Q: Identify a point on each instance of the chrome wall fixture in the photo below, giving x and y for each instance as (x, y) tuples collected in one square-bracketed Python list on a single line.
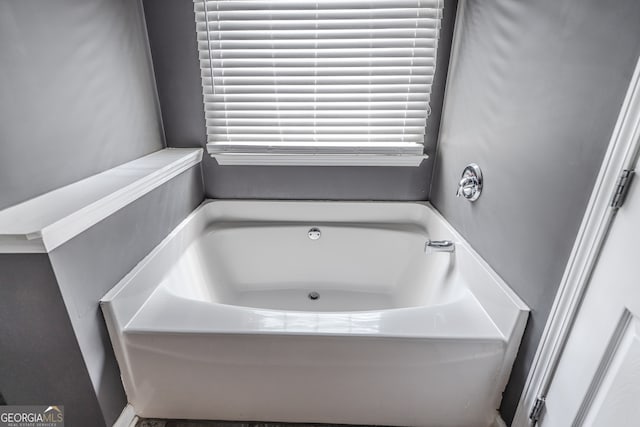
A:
[(470, 185), (433, 246)]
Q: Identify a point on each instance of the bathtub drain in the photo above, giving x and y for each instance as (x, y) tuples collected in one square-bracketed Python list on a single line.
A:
[(314, 233), (314, 295)]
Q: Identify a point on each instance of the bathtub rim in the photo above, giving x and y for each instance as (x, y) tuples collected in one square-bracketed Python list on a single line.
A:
[(502, 305), (458, 238)]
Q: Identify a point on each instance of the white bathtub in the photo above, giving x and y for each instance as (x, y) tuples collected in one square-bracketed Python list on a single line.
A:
[(217, 323)]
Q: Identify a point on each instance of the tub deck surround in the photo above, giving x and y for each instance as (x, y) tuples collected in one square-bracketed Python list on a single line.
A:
[(45, 222), (216, 322)]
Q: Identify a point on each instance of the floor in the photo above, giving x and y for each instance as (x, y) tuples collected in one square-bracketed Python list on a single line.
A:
[(187, 423)]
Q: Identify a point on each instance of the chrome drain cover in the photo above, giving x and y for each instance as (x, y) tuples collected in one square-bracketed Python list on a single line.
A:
[(314, 233)]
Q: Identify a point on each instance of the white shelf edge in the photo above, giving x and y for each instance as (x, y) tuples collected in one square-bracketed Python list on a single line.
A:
[(55, 234), (21, 244), (309, 159)]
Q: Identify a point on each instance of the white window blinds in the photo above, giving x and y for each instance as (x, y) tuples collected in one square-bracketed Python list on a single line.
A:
[(318, 77)]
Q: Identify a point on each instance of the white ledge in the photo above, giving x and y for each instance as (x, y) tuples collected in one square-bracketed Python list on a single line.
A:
[(308, 159), (45, 222)]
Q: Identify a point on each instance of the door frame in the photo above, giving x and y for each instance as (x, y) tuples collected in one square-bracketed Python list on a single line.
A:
[(621, 154)]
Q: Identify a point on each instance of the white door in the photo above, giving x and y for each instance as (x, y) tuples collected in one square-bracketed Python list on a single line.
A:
[(597, 382)]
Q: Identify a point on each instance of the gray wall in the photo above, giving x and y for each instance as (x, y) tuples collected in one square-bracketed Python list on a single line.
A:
[(533, 94), (77, 97), (54, 345), (90, 264), (40, 361), (171, 28), (77, 94)]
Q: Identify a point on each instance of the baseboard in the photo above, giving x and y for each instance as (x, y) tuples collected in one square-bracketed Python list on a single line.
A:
[(127, 418)]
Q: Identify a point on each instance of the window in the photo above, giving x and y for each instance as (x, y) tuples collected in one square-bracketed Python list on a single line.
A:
[(317, 81)]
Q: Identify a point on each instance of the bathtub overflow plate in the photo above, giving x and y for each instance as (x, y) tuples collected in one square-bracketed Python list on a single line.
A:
[(314, 295), (314, 233)]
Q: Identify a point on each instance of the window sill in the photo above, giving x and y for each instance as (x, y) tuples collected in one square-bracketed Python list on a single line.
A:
[(308, 159)]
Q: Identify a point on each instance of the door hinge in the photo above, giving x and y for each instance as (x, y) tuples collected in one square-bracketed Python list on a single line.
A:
[(622, 188), (536, 411)]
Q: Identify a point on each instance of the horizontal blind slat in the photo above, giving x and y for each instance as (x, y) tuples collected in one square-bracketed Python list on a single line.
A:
[(320, 97), (360, 71), (316, 54), (316, 121), (318, 62), (325, 129), (335, 89), (282, 14), (338, 33), (321, 137), (211, 23), (306, 115), (316, 80), (318, 105), (222, 45)]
